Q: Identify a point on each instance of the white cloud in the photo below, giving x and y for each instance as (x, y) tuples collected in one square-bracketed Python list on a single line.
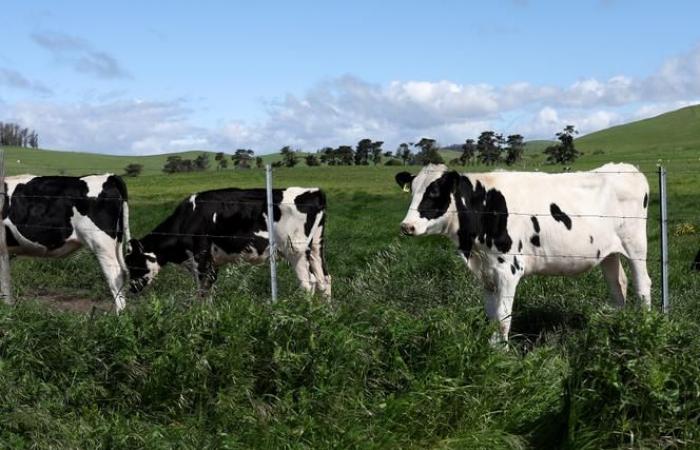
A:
[(346, 109)]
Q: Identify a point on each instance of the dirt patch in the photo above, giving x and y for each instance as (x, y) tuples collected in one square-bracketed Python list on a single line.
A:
[(76, 302)]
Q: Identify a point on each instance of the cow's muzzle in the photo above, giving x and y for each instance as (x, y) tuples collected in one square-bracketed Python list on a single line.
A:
[(408, 229)]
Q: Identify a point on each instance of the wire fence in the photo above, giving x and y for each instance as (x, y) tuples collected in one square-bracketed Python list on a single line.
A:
[(300, 241)]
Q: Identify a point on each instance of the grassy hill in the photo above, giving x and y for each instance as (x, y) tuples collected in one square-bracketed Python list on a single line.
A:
[(674, 134), (23, 160)]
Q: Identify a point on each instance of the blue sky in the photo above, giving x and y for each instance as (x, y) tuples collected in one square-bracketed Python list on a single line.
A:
[(149, 77)]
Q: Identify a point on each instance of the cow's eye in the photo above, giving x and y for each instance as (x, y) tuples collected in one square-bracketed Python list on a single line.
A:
[(434, 193)]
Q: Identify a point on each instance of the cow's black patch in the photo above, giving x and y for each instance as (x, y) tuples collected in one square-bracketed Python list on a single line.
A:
[(560, 216), (696, 263), (482, 214), (41, 209), (501, 260), (310, 203), (535, 240), (535, 224), (645, 202), (512, 269), (597, 255), (515, 262), (520, 246), (590, 238)]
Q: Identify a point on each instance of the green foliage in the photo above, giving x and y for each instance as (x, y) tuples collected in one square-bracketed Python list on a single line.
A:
[(565, 152), (289, 157), (133, 170), (428, 153), (490, 146)]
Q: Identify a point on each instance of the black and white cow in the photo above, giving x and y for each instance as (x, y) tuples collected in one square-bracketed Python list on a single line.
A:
[(52, 216), (696, 263), (213, 228), (511, 224)]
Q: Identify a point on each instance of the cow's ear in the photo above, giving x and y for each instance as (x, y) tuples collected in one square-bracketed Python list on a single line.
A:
[(404, 179), (134, 245)]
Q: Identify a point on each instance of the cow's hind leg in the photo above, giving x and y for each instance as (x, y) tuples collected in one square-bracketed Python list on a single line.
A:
[(616, 279), (317, 262), (636, 253), (641, 280), (300, 263)]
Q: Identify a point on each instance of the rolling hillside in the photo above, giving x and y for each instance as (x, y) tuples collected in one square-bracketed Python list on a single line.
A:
[(670, 135)]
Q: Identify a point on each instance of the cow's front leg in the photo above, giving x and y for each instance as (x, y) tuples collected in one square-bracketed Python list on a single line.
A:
[(300, 262), (206, 273), (499, 296)]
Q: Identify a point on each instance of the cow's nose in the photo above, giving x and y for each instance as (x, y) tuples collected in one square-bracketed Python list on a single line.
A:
[(408, 229)]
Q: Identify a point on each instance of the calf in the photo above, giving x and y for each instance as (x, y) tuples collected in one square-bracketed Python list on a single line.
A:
[(53, 216), (213, 228), (507, 225)]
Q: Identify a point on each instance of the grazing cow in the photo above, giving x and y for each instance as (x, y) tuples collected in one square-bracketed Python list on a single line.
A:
[(213, 228), (52, 216), (511, 224), (696, 263)]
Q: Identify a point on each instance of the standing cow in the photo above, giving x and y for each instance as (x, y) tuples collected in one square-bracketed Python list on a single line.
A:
[(52, 216), (213, 228), (511, 224)]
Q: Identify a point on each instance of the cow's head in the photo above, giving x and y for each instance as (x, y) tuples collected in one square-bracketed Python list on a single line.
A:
[(143, 266), (432, 205)]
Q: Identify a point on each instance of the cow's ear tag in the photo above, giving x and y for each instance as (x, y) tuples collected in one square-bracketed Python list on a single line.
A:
[(407, 187)]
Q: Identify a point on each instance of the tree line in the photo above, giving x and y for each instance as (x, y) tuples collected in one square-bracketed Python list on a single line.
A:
[(17, 136), (490, 148)]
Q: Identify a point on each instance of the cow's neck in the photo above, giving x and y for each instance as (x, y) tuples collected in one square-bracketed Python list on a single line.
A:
[(482, 217), (165, 246)]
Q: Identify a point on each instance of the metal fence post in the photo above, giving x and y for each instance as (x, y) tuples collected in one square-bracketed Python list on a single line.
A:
[(5, 285), (270, 233), (664, 239)]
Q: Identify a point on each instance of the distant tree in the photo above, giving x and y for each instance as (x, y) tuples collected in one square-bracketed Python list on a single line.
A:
[(388, 154), (242, 157), (289, 156), (377, 152), (490, 146), (515, 146), (133, 170), (327, 156), (16, 136), (345, 155), (312, 160), (219, 157), (362, 151), (174, 164), (428, 153), (201, 162), (403, 152), (565, 151), (259, 162), (468, 152)]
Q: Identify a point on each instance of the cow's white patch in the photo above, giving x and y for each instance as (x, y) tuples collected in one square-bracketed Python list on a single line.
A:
[(193, 197), (213, 218), (262, 234), (95, 183)]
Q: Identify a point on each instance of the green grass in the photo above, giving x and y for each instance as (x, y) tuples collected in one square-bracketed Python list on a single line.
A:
[(399, 358)]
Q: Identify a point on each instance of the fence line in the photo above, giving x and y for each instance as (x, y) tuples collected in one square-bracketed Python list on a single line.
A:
[(273, 245)]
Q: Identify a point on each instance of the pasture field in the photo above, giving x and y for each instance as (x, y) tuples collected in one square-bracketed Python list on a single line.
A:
[(399, 359)]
